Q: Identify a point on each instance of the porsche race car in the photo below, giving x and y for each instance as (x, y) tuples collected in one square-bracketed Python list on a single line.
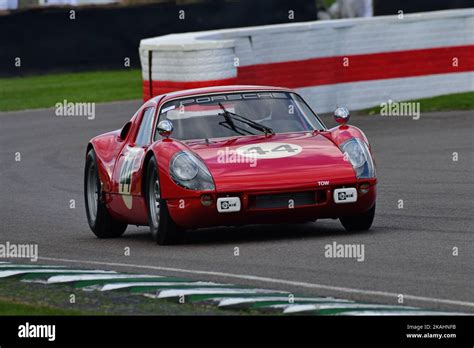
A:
[(227, 156)]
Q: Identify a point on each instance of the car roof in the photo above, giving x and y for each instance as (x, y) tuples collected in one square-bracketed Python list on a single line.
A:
[(216, 89)]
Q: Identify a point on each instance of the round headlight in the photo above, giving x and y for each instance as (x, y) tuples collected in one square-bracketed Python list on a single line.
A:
[(355, 153), (184, 167)]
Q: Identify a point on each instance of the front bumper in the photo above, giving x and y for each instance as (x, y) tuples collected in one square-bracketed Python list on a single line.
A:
[(191, 213)]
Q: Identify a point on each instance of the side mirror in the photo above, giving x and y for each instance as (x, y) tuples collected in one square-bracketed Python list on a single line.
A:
[(165, 128), (125, 129), (341, 115)]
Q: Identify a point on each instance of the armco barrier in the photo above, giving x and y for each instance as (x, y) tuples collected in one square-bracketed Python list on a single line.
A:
[(356, 62)]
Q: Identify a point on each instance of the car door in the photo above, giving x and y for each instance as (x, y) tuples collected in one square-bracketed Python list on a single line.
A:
[(127, 175)]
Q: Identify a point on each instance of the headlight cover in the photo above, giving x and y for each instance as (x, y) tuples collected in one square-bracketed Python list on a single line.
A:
[(357, 152), (190, 172)]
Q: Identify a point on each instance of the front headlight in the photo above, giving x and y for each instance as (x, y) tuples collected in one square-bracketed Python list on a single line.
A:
[(184, 166), (357, 152), (190, 172)]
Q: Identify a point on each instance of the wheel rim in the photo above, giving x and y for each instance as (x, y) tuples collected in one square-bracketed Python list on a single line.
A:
[(154, 199), (92, 192)]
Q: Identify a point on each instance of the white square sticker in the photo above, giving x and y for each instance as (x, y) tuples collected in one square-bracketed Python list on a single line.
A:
[(345, 195), (228, 204)]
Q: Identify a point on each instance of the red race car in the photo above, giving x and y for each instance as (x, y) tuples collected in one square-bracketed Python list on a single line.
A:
[(227, 156)]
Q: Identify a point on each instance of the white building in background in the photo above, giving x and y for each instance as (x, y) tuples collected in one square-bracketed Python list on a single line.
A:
[(75, 2), (8, 4), (14, 4), (351, 9)]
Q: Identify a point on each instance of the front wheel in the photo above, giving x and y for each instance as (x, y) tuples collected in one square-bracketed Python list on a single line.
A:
[(163, 229), (100, 221), (361, 222)]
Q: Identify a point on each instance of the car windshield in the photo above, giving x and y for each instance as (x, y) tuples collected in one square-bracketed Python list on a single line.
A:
[(231, 114)]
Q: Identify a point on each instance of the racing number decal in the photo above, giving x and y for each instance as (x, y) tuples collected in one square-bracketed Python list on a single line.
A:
[(125, 179), (269, 150), (260, 151)]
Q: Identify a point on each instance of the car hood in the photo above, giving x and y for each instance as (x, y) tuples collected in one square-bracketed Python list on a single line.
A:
[(288, 160)]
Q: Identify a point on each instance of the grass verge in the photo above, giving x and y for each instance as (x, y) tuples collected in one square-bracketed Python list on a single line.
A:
[(8, 307), (458, 101), (33, 92), (21, 298)]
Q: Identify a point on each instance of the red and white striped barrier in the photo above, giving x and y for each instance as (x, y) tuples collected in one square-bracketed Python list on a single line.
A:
[(358, 62)]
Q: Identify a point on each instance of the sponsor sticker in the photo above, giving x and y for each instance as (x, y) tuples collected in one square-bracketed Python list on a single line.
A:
[(172, 107), (345, 195), (228, 204)]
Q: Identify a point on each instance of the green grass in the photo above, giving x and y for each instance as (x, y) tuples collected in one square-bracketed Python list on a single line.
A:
[(16, 308), (32, 92), (459, 101), (328, 3), (26, 298)]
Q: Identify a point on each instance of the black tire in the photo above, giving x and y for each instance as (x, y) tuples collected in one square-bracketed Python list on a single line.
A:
[(100, 221), (361, 222), (162, 227)]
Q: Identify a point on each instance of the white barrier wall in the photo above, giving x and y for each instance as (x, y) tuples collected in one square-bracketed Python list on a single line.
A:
[(354, 62)]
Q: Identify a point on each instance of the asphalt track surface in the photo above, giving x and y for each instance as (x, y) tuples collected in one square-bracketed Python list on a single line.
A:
[(408, 251)]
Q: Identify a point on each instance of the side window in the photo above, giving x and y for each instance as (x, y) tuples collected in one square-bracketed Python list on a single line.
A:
[(144, 133)]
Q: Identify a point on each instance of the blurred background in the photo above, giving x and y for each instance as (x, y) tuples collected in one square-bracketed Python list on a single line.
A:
[(86, 35)]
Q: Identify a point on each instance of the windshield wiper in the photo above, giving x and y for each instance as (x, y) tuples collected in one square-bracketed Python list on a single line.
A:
[(228, 123), (230, 117)]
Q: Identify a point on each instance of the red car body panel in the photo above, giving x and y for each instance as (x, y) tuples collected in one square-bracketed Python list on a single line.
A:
[(277, 173), (319, 168)]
